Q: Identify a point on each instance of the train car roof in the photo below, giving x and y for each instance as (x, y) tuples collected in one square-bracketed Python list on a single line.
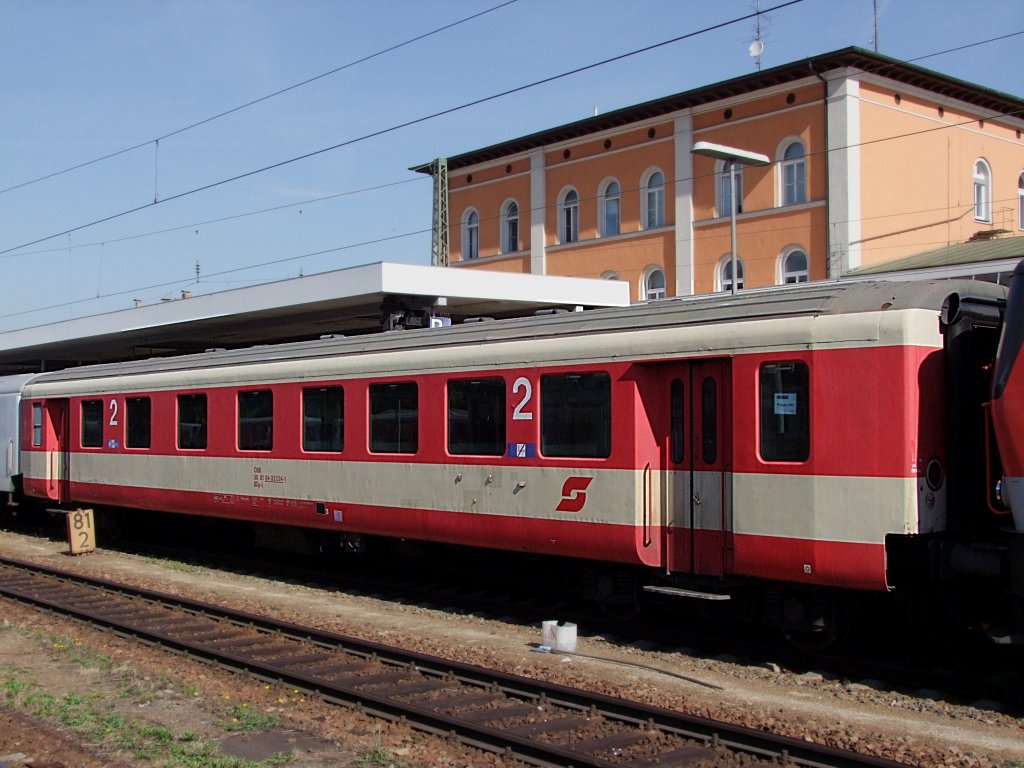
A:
[(12, 384), (809, 300)]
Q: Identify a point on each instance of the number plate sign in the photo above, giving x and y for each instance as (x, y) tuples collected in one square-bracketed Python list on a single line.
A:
[(81, 531)]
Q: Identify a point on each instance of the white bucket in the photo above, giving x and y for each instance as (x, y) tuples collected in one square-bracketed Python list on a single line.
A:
[(547, 632), (565, 637), (558, 637)]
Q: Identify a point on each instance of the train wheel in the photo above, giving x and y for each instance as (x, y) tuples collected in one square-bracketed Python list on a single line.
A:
[(816, 621)]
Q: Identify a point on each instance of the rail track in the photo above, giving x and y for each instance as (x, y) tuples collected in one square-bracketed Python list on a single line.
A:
[(537, 722), (963, 667)]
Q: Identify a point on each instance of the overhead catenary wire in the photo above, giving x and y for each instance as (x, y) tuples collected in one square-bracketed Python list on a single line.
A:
[(156, 141), (208, 275), (634, 189), (751, 98), (390, 238), (402, 125), (218, 220), (590, 198), (356, 245)]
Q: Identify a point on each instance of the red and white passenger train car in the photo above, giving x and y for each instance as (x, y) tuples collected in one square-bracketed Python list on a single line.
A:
[(814, 440)]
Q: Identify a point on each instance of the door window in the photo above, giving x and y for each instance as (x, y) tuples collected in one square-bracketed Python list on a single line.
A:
[(92, 423), (709, 420)]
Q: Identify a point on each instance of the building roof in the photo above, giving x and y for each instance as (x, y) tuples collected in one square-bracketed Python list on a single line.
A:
[(957, 260), (875, 63), (344, 302)]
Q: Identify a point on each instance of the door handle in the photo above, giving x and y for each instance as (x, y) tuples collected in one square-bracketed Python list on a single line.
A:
[(697, 499)]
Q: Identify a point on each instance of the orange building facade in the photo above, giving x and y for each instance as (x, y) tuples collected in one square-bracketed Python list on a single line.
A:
[(871, 160)]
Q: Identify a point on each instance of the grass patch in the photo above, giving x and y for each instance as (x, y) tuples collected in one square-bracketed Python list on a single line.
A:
[(173, 565), (137, 689), (74, 650), (378, 756), (97, 723), (242, 717)]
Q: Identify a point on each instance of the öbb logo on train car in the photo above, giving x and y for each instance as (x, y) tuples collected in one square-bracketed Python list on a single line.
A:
[(574, 494)]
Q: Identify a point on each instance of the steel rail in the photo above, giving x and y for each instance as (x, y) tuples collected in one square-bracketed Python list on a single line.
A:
[(153, 617)]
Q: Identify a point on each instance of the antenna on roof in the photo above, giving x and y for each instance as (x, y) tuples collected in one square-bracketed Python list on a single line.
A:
[(757, 47), (755, 50), (874, 8)]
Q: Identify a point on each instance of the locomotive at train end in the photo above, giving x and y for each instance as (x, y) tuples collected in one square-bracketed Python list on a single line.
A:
[(780, 454), (1008, 401)]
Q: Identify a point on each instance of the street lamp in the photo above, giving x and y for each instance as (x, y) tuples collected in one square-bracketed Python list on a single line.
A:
[(737, 157)]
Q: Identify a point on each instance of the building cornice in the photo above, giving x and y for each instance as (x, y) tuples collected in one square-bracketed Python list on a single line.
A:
[(868, 62)]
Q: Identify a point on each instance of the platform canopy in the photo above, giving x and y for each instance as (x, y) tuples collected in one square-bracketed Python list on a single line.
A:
[(357, 300)]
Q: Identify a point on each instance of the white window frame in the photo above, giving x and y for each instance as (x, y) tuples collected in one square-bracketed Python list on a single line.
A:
[(509, 218), (1020, 201), (652, 199), (654, 292), (605, 200), (795, 165), (470, 234), (722, 187), (982, 191), (800, 275), (568, 211), (722, 283)]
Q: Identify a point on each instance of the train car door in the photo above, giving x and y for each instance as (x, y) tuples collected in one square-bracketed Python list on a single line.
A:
[(58, 449), (696, 460)]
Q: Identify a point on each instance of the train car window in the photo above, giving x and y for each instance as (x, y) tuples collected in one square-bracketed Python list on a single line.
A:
[(677, 441), (192, 421), (92, 423), (785, 412), (394, 418), (137, 430), (576, 415), (37, 423), (256, 420), (709, 420), (323, 419), (476, 417)]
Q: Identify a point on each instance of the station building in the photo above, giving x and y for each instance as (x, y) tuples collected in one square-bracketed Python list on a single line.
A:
[(872, 160)]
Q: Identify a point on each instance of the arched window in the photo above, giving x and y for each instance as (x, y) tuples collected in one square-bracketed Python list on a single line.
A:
[(654, 284), (569, 223), (1020, 201), (471, 234), (793, 267), (725, 273), (610, 209), (654, 201), (793, 169), (725, 188), (982, 192), (510, 227)]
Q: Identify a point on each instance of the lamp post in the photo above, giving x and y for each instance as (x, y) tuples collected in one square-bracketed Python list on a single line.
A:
[(734, 157)]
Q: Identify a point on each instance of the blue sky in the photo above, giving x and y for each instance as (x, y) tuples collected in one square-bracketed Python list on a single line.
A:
[(87, 79)]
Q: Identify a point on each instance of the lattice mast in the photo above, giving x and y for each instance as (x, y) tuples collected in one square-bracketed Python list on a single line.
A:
[(439, 239)]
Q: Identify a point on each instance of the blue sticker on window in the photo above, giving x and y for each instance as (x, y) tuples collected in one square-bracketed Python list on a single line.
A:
[(113, 443), (522, 450)]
